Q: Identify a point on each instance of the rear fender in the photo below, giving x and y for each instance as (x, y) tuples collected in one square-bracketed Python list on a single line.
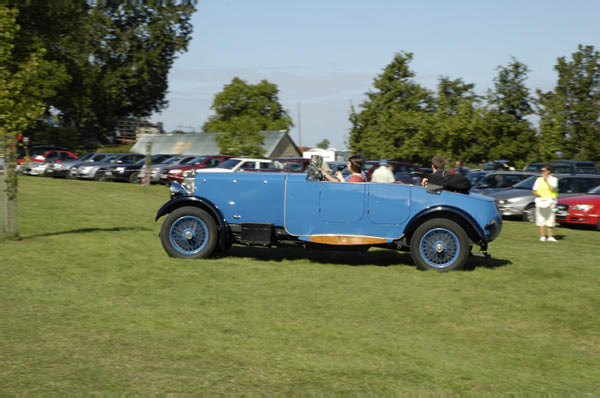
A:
[(204, 204)]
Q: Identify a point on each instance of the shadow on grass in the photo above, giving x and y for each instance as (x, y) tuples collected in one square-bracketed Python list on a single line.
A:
[(377, 257), (380, 258), (85, 231)]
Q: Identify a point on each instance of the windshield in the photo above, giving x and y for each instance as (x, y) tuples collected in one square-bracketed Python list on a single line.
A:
[(229, 164), (595, 191), (86, 156), (526, 183)]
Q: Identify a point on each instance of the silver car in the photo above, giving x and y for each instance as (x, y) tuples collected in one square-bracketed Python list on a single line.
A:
[(519, 201), (95, 170), (496, 181), (68, 169)]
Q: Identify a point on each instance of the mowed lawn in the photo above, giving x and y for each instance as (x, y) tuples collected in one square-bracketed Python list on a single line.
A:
[(90, 303)]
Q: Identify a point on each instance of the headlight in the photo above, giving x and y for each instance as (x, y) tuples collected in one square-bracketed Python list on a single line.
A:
[(190, 185), (120, 169), (502, 202), (59, 166), (175, 171), (584, 207)]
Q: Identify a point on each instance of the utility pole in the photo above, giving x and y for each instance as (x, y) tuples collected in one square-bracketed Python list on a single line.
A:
[(299, 127)]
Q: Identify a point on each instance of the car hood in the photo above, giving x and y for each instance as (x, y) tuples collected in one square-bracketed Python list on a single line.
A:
[(511, 194), (593, 199)]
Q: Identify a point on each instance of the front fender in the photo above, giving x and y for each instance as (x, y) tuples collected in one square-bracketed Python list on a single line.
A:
[(445, 211), (203, 204)]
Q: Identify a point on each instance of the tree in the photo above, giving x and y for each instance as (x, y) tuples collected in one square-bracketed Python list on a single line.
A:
[(25, 82), (508, 133), (570, 114), (323, 144), (459, 122), (396, 120), (242, 111), (117, 55)]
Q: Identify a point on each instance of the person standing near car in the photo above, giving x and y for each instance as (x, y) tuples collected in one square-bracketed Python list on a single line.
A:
[(545, 189), (383, 173)]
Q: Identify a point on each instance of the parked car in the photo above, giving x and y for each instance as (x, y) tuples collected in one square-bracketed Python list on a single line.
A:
[(132, 172), (580, 210), (519, 200), (475, 175), (243, 164), (38, 150), (157, 174), (212, 211), (497, 165), (96, 170), (67, 168), (40, 162), (293, 165), (566, 167), (496, 181), (180, 171)]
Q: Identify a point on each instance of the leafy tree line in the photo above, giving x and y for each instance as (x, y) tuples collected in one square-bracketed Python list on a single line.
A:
[(401, 119), (92, 63)]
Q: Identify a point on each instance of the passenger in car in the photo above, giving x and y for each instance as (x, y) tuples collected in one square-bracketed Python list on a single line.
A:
[(355, 164), (437, 177)]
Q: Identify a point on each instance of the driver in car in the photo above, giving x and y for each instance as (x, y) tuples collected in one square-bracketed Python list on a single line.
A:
[(355, 164)]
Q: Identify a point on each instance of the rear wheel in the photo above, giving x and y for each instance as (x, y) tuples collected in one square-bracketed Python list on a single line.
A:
[(134, 178), (189, 232), (100, 175), (529, 213), (439, 244)]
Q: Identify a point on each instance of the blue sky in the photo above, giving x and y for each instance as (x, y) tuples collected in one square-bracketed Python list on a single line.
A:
[(324, 54)]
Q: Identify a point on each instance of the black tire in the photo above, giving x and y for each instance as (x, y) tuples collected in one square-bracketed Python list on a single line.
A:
[(439, 244), (529, 213), (100, 176), (134, 178), (189, 232)]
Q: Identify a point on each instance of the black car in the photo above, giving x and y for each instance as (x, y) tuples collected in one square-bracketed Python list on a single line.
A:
[(566, 167), (130, 172)]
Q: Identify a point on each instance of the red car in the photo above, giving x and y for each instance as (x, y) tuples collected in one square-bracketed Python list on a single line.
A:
[(54, 156), (178, 172), (580, 210)]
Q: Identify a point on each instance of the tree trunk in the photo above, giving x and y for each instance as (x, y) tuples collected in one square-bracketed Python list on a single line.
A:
[(10, 219)]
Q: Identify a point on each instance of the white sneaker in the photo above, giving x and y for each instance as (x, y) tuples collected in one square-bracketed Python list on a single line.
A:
[(551, 239), (542, 238)]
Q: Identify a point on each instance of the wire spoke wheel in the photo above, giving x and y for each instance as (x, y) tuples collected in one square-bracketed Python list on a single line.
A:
[(439, 244), (188, 235), (439, 247), (189, 232)]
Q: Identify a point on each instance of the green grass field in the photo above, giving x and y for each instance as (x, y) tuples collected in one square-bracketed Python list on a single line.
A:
[(90, 303)]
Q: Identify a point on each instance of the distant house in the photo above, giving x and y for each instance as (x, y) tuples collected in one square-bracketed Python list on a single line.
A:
[(276, 144)]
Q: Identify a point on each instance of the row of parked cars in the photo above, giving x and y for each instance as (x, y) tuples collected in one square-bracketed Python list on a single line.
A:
[(578, 180), (578, 189)]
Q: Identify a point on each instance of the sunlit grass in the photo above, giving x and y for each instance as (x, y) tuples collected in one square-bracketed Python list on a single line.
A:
[(89, 302)]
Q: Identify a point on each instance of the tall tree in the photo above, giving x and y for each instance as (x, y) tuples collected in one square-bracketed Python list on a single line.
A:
[(242, 111), (26, 81), (570, 114), (459, 121), (117, 55), (396, 120), (508, 132)]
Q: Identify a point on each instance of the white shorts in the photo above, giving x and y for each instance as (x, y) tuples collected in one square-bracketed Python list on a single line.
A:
[(544, 217)]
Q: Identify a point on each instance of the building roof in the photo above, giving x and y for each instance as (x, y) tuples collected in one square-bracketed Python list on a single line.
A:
[(275, 144)]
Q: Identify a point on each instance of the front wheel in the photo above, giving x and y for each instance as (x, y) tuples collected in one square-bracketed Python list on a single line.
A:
[(189, 232), (134, 178), (439, 244)]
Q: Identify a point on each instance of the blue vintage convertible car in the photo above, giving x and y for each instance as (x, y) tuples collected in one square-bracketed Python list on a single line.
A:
[(211, 211)]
